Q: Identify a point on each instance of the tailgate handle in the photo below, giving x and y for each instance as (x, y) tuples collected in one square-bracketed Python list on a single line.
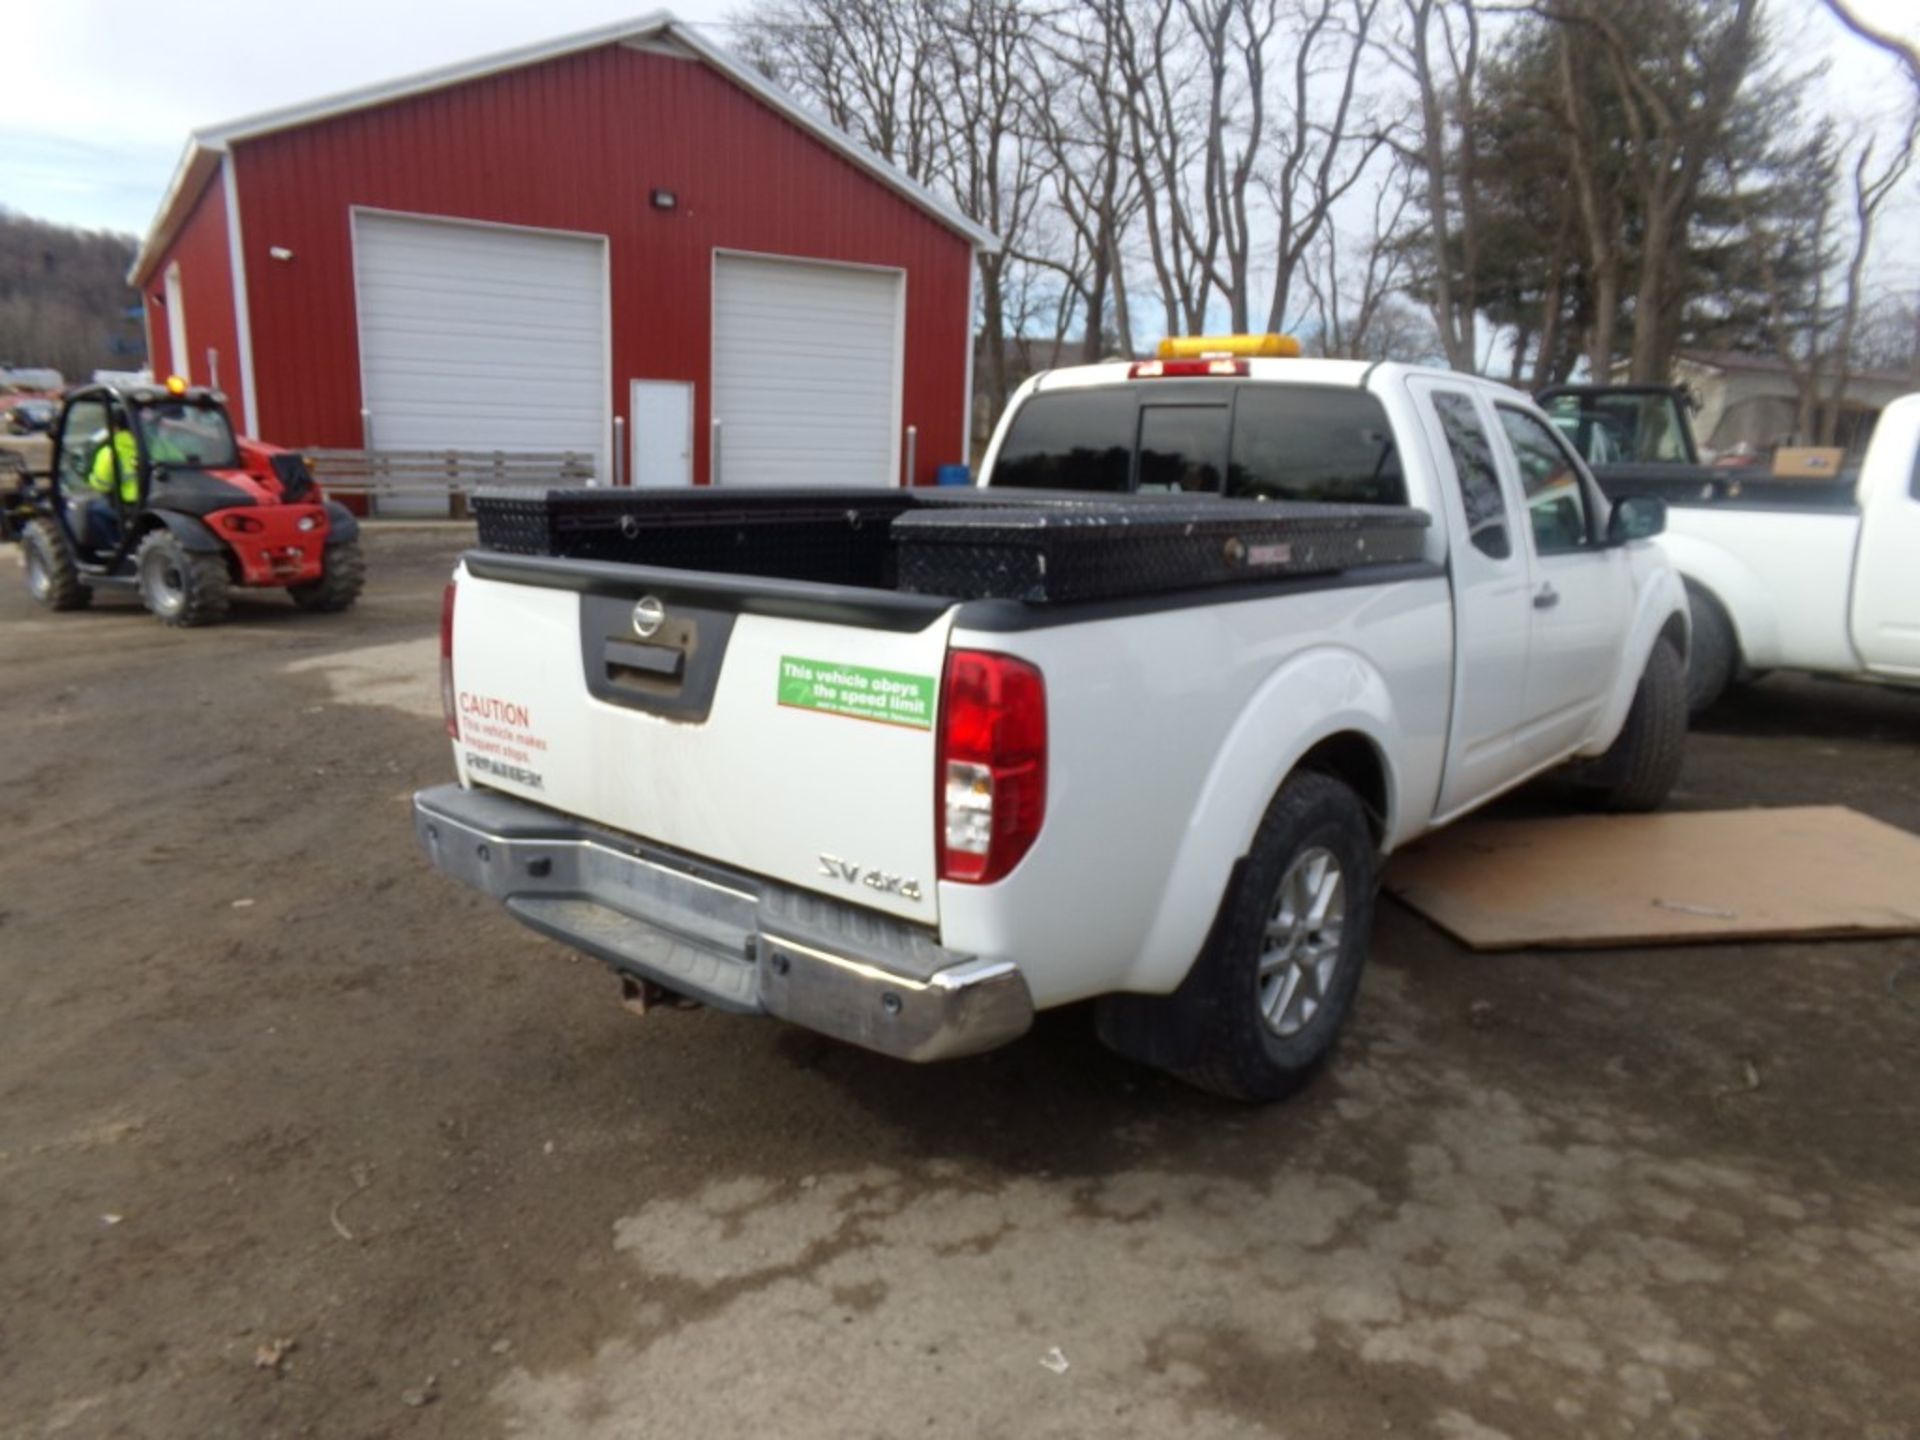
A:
[(672, 671), (662, 661)]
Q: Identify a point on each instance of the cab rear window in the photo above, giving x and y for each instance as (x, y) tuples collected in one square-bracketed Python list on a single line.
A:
[(1313, 443), (1300, 442), (1072, 440)]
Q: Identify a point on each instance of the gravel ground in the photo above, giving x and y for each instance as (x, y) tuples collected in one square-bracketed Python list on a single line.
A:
[(297, 1138)]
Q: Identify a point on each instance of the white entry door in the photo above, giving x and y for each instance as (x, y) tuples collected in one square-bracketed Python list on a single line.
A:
[(662, 419)]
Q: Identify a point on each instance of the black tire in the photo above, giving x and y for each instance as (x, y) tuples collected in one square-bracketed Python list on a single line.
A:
[(1639, 768), (339, 584), (1714, 658), (182, 587), (1231, 1046), (53, 579)]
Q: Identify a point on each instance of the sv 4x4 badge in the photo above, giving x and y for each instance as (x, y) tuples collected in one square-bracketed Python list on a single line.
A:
[(834, 868)]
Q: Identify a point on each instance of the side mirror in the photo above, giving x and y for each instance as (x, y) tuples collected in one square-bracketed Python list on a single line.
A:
[(1636, 517)]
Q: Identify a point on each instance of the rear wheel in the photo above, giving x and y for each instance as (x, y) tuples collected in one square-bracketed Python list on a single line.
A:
[(1269, 993), (181, 586), (339, 584), (1715, 653), (53, 579), (1639, 768)]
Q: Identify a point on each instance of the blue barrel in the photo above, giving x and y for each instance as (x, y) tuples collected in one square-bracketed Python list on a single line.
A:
[(953, 475)]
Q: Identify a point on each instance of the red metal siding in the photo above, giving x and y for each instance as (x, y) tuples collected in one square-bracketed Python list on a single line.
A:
[(206, 280), (577, 144)]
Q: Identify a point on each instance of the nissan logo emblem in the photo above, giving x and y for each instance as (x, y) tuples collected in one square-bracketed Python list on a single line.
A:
[(648, 616)]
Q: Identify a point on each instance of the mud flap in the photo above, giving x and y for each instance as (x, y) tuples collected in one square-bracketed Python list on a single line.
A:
[(1148, 1028)]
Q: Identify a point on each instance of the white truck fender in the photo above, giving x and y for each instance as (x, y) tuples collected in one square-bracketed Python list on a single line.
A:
[(1662, 600), (1740, 593), (1314, 696)]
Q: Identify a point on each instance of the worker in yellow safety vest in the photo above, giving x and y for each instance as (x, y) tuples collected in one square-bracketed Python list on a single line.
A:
[(123, 455), (115, 466)]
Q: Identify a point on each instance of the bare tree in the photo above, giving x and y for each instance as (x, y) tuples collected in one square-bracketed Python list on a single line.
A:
[(1447, 155), (1323, 152), (1171, 97), (1812, 259), (1354, 299), (1793, 252), (1871, 186), (984, 63), (865, 64), (1234, 35), (1081, 117), (1888, 337)]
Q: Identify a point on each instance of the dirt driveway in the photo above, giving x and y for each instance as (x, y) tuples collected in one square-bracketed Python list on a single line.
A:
[(298, 1139)]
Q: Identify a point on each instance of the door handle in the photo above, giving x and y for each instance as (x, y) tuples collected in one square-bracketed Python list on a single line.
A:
[(1546, 597)]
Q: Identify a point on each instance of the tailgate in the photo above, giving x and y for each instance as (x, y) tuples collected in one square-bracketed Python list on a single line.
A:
[(794, 748)]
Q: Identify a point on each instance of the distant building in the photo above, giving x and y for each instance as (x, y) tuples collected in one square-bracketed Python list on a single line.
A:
[(622, 232), (1750, 400)]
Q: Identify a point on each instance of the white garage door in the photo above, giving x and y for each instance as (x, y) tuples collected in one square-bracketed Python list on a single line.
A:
[(806, 372), (475, 337)]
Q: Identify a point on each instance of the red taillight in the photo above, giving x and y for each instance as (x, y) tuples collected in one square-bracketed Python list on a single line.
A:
[(992, 765), (446, 661), (1184, 369)]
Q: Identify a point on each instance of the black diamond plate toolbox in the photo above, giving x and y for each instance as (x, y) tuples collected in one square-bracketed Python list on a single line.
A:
[(1035, 546)]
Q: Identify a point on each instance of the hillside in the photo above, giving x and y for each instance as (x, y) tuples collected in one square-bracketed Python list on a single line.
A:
[(64, 298)]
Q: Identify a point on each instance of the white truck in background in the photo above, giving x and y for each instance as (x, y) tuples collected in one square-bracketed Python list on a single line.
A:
[(1819, 578), (810, 777)]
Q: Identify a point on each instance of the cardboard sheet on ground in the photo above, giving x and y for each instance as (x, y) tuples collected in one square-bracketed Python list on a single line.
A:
[(1618, 880)]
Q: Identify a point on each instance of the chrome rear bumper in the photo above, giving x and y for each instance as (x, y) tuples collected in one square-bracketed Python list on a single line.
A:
[(733, 941)]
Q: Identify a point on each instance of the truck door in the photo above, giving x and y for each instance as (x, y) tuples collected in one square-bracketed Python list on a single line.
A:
[(1886, 577), (1492, 611), (1582, 596)]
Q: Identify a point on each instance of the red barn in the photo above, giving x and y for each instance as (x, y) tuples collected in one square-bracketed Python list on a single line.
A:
[(623, 242)]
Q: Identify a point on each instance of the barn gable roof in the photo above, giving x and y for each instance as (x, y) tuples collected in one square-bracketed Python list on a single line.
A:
[(206, 148)]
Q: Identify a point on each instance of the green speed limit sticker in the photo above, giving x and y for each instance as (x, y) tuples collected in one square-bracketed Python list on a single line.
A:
[(889, 696)]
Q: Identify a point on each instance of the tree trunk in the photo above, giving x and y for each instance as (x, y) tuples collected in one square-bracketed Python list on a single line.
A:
[(1606, 317), (1648, 361), (1122, 313), (1550, 304), (993, 330)]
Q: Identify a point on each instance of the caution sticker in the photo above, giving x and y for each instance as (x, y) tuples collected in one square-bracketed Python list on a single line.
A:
[(888, 696)]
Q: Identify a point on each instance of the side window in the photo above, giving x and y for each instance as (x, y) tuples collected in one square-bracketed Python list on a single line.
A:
[(1556, 505), (1181, 447), (1472, 451), (85, 433), (1314, 443)]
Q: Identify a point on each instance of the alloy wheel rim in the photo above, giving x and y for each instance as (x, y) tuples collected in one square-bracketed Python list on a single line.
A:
[(1300, 948), (166, 589), (38, 579)]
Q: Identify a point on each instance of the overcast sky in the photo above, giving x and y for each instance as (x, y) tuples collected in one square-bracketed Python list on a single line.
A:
[(101, 94)]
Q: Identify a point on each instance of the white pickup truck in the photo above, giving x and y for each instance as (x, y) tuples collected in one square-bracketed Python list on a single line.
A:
[(1817, 577), (906, 767)]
